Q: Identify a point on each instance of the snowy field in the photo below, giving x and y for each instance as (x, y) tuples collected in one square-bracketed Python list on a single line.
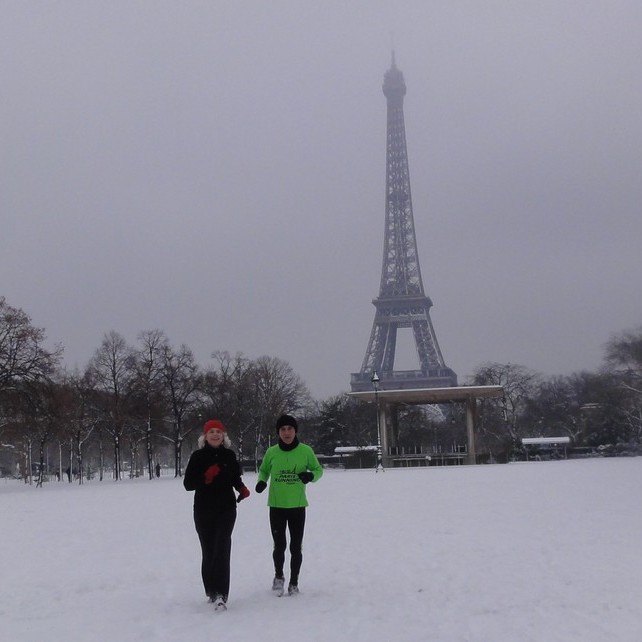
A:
[(548, 551)]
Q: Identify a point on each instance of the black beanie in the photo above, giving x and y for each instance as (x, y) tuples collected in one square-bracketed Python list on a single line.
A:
[(286, 420)]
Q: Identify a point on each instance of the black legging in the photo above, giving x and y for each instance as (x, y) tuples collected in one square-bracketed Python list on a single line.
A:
[(215, 535), (294, 520)]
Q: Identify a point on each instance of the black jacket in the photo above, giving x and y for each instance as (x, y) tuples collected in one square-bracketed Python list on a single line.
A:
[(219, 495)]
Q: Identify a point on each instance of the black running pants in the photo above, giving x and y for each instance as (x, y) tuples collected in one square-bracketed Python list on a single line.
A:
[(215, 535), (294, 520)]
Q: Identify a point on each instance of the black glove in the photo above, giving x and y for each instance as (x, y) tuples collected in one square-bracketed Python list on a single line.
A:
[(260, 487), (306, 477)]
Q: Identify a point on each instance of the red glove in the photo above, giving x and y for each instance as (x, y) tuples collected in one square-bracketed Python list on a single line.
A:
[(211, 472), (244, 493)]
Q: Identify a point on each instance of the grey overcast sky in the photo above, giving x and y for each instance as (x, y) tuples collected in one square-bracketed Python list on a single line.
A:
[(216, 170)]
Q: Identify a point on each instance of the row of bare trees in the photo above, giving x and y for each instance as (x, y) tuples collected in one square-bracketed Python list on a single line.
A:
[(595, 409), (131, 398), (133, 401)]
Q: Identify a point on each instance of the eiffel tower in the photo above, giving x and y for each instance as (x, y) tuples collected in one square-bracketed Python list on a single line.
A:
[(402, 302)]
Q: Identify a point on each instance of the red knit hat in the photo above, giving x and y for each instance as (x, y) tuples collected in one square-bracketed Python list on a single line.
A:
[(211, 424)]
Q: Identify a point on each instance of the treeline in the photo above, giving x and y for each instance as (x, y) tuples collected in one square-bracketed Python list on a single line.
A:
[(600, 411), (130, 402), (135, 405)]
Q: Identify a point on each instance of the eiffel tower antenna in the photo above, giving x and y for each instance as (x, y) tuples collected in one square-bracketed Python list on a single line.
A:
[(402, 302)]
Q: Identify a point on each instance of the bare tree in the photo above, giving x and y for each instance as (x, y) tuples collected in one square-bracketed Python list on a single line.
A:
[(501, 424), (228, 388), (623, 360), (22, 355), (624, 356), (554, 408), (181, 384), (23, 358), (149, 381), (83, 419), (277, 389), (112, 371)]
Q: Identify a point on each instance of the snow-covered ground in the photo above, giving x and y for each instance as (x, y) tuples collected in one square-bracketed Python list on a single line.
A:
[(546, 551)]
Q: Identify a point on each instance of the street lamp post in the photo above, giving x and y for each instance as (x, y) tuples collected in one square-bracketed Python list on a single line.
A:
[(375, 385)]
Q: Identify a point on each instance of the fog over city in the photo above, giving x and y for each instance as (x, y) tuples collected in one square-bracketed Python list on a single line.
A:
[(217, 170)]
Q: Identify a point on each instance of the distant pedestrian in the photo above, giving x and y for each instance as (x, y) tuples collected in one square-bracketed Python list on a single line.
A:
[(213, 473), (158, 469), (289, 465)]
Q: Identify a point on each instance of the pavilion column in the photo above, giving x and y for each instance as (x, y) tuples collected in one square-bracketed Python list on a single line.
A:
[(384, 419), (471, 407)]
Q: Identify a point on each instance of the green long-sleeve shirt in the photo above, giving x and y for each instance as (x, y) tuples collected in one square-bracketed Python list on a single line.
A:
[(282, 467)]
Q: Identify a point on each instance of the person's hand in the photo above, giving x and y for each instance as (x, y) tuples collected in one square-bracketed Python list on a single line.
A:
[(260, 487), (211, 472), (306, 477), (244, 493)]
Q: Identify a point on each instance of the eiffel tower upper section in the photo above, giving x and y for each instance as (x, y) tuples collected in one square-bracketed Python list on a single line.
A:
[(402, 302)]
